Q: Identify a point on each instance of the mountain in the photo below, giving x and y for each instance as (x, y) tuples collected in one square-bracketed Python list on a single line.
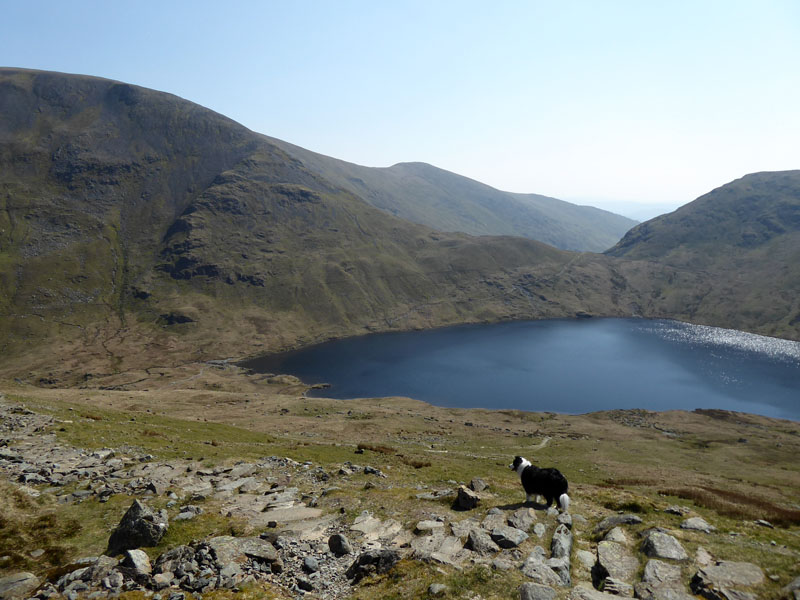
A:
[(140, 229), (137, 228), (744, 238), (425, 194)]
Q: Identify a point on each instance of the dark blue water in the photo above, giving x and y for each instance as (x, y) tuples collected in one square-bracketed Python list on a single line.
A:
[(563, 366)]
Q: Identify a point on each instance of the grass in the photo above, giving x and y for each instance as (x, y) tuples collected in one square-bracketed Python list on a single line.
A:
[(611, 468), (737, 505)]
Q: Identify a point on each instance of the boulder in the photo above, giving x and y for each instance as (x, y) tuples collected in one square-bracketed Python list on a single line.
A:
[(580, 592), (437, 589), (467, 499), (481, 542), (614, 561), (535, 569), (536, 591), (508, 537), (658, 572), (650, 591), (478, 485), (615, 520), (137, 561), (339, 544), (372, 562), (18, 585), (522, 518), (428, 526), (617, 534), (697, 524), (140, 526), (658, 544), (561, 544), (718, 581)]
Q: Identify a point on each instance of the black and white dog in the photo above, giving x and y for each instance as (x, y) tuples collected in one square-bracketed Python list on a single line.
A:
[(549, 483)]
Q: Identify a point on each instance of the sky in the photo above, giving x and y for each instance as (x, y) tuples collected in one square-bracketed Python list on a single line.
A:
[(626, 105)]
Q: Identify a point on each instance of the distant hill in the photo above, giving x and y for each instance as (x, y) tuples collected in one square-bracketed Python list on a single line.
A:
[(425, 194), (744, 239)]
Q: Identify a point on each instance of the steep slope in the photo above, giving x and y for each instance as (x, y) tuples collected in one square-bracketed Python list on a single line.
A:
[(744, 238), (425, 194), (137, 228)]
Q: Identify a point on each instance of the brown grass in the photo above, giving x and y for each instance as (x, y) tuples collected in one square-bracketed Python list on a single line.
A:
[(25, 525), (413, 462), (737, 505), (378, 448)]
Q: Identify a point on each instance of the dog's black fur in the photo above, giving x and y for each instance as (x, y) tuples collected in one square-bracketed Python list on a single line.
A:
[(549, 483)]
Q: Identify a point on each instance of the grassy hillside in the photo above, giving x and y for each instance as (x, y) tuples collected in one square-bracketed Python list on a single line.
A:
[(744, 238), (138, 228), (424, 194)]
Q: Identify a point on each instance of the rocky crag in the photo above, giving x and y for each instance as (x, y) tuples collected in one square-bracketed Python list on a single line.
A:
[(304, 551)]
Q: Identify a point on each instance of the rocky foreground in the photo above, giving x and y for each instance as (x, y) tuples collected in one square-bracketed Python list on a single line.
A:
[(303, 550)]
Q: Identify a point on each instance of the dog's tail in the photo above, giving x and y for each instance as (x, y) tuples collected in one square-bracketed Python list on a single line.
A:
[(563, 501)]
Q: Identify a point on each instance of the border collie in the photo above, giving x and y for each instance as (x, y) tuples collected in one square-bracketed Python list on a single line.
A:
[(549, 483)]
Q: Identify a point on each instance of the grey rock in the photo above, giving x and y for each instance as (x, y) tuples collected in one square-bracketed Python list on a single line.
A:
[(140, 526), (617, 534), (697, 524), (462, 528), (539, 529), (615, 561), (658, 573), (615, 520), (255, 547), (467, 499), (493, 519), (658, 544), (650, 591), (437, 589), (725, 574), (478, 485), (428, 526), (792, 586), (617, 587), (561, 544), (372, 562), (310, 564), (304, 584), (764, 523), (18, 585), (339, 545), (564, 519), (137, 560), (508, 537), (585, 558), (540, 573), (481, 542), (522, 518), (560, 567), (170, 560), (536, 591), (677, 510), (502, 564), (580, 592)]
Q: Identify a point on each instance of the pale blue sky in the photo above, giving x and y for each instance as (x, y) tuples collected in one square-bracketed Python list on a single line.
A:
[(589, 101)]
